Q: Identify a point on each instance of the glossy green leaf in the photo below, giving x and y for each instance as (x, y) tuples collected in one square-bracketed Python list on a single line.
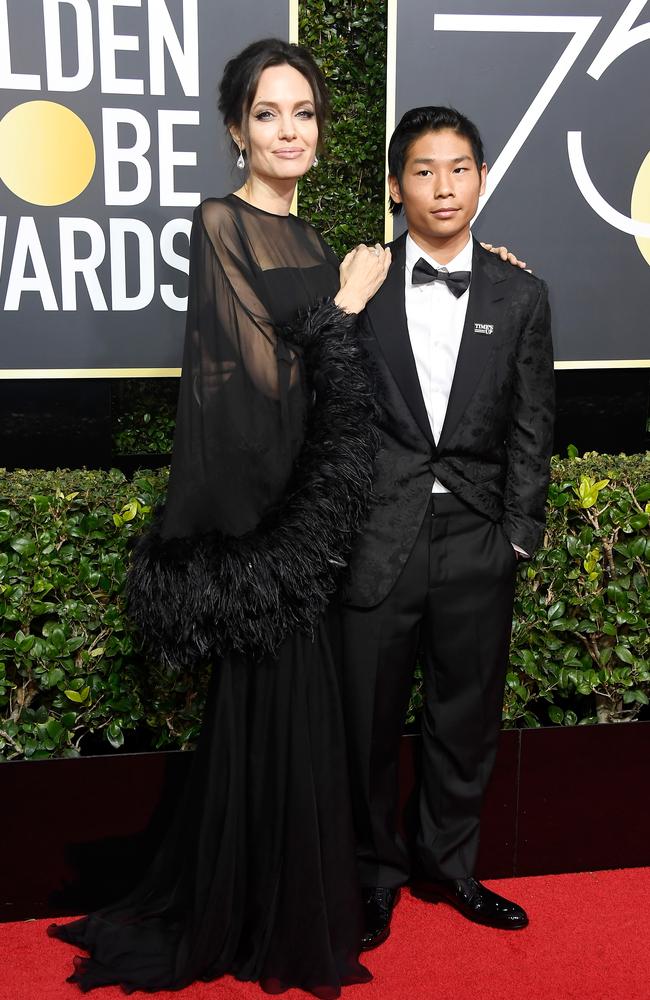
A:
[(23, 544), (115, 735), (624, 654)]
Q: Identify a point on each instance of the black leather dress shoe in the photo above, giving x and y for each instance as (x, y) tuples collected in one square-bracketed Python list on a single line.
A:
[(474, 901), (378, 903)]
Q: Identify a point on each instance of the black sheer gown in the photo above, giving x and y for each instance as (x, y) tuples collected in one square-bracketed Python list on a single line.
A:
[(270, 478)]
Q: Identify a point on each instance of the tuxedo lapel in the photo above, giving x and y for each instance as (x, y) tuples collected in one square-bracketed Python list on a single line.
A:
[(387, 313), (485, 309)]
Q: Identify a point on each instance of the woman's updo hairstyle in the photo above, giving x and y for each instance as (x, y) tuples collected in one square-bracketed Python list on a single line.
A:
[(242, 74)]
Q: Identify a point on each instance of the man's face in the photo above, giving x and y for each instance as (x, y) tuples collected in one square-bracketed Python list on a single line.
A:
[(440, 187)]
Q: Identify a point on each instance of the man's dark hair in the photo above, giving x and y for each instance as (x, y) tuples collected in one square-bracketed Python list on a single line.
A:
[(242, 75), (417, 122)]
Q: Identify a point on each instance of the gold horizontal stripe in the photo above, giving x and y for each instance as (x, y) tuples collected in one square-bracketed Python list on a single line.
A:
[(89, 373), (43, 373), (563, 365)]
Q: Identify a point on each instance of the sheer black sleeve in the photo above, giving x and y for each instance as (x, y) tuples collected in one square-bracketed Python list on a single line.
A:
[(237, 431), (272, 461)]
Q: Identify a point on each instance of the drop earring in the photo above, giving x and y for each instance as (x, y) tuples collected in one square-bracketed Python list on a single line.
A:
[(315, 163), (241, 163)]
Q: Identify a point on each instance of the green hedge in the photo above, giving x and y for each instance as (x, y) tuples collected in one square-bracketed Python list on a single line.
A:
[(72, 678), (581, 645), (343, 196), (143, 412)]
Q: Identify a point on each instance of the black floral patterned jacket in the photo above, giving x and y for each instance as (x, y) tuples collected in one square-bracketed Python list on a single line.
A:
[(495, 446)]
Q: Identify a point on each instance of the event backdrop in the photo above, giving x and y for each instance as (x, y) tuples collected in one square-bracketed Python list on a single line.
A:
[(559, 90), (109, 135)]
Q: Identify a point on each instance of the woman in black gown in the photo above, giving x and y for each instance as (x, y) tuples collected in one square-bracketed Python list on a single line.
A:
[(270, 479)]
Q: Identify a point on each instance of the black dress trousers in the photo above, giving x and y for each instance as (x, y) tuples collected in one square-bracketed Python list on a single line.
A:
[(452, 602)]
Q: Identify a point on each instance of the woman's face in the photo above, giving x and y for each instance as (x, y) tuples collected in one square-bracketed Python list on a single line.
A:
[(282, 126)]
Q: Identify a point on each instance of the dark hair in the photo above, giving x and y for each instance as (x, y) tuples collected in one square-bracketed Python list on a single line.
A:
[(242, 74), (415, 123)]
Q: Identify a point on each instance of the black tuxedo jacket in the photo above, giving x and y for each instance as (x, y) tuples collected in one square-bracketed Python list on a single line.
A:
[(496, 441)]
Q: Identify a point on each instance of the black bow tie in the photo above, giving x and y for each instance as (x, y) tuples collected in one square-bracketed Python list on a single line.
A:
[(457, 281)]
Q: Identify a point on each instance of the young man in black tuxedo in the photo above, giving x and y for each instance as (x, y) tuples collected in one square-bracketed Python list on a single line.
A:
[(462, 342)]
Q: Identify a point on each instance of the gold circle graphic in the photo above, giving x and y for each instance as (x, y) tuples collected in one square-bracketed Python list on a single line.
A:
[(640, 209), (47, 154)]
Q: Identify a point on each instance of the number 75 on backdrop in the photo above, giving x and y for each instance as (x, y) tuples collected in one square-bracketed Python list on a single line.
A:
[(560, 97)]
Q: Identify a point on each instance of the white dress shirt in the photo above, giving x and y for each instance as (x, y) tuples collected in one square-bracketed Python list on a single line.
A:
[(435, 319)]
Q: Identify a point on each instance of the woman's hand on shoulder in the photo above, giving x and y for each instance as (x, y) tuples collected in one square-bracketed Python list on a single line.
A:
[(505, 254), (362, 273)]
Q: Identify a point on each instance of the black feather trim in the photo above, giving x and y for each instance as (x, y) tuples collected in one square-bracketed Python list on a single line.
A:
[(197, 597)]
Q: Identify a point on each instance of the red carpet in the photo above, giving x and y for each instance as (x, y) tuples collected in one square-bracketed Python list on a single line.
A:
[(589, 939)]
